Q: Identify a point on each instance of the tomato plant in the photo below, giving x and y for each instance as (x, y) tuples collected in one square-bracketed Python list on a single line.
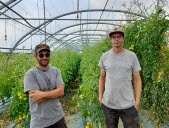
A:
[(87, 95), (150, 39), (68, 61)]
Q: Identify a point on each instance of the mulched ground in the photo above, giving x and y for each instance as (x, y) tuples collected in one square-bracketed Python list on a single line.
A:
[(4, 120)]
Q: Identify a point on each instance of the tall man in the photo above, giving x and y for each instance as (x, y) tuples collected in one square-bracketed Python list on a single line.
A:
[(119, 67), (44, 85)]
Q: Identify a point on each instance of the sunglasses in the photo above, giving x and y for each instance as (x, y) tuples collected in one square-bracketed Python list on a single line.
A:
[(118, 37), (42, 55)]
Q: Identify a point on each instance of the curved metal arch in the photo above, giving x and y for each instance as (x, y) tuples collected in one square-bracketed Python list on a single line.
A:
[(89, 35), (73, 42), (8, 3), (67, 41), (74, 12), (74, 32), (81, 24), (65, 35), (78, 25), (78, 36), (84, 40)]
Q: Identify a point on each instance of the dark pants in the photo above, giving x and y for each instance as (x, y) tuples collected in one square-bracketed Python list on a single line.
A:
[(60, 124), (128, 116)]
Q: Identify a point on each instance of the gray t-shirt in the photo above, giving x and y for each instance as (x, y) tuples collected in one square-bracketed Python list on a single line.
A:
[(50, 111), (118, 92)]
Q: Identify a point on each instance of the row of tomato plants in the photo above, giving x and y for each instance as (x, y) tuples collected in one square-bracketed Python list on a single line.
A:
[(68, 61), (11, 80), (12, 84), (87, 94), (148, 39)]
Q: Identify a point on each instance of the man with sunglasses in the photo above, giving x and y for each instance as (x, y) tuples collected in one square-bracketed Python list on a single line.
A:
[(119, 69), (44, 85)]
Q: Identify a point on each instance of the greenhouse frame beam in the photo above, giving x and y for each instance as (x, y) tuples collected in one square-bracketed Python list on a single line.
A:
[(23, 18), (69, 19), (25, 21), (8, 3), (3, 13), (16, 13), (78, 25), (88, 34), (15, 49), (74, 43), (32, 35), (83, 39), (74, 12), (16, 44), (71, 34), (71, 39), (65, 35), (77, 43)]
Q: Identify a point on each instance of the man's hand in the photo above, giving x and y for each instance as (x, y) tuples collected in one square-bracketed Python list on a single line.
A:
[(36, 96), (137, 88), (102, 84), (100, 100), (136, 106)]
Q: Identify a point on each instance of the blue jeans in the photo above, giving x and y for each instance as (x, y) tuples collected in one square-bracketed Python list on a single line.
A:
[(128, 116), (60, 124)]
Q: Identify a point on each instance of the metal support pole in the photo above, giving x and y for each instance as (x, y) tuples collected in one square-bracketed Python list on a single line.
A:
[(44, 19), (158, 2)]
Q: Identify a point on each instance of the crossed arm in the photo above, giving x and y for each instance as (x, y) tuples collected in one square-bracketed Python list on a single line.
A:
[(40, 96)]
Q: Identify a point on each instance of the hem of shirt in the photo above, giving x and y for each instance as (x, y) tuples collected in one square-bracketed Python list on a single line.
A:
[(117, 108), (52, 122)]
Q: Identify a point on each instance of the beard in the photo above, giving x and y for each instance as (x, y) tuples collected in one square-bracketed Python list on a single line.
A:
[(43, 64)]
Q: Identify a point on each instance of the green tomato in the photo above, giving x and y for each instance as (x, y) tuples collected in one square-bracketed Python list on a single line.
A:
[(20, 118), (25, 99), (19, 94), (21, 97), (24, 117)]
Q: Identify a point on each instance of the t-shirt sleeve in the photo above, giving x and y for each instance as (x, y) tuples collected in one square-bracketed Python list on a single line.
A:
[(30, 82), (100, 64), (136, 66), (59, 80)]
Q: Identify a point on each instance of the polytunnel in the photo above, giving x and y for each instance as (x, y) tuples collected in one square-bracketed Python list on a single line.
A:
[(77, 32)]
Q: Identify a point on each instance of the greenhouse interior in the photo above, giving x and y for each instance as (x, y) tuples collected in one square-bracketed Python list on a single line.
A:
[(77, 32)]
